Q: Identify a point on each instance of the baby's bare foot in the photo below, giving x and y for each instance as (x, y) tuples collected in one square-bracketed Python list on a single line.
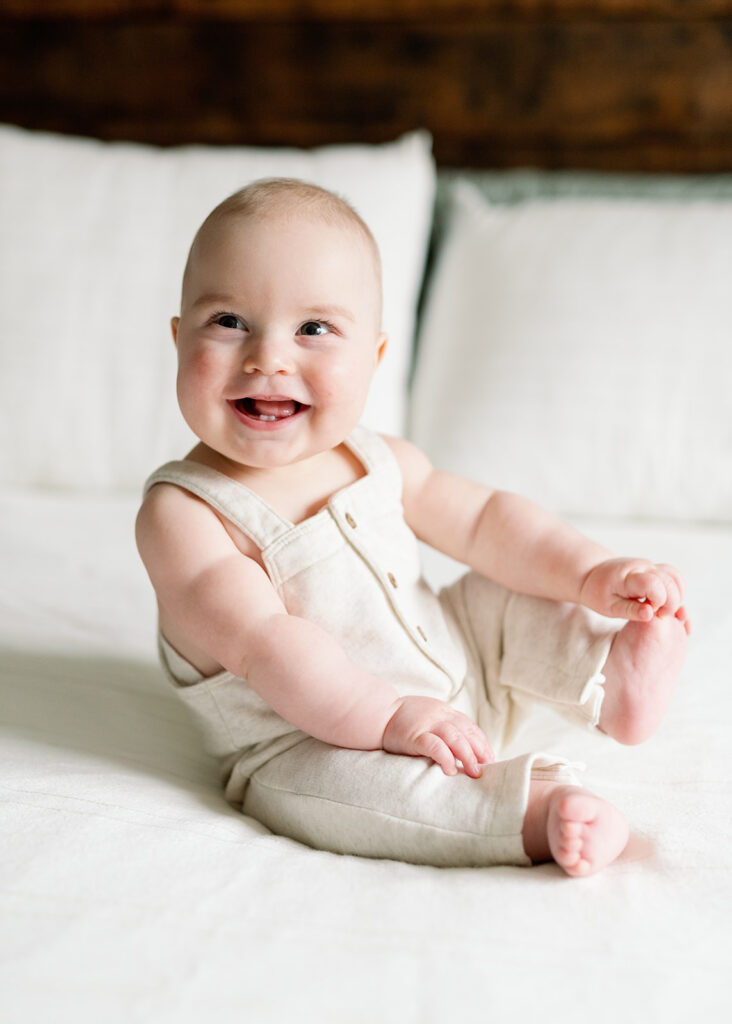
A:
[(585, 833), (640, 675)]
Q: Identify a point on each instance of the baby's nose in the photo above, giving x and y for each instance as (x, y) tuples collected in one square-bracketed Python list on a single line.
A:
[(268, 354)]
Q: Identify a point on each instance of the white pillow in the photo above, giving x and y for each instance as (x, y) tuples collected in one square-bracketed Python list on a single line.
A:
[(93, 240), (580, 352)]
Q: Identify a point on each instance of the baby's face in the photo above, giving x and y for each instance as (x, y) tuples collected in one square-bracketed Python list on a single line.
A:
[(278, 337)]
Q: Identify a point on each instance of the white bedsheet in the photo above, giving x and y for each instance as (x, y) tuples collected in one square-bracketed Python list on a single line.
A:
[(132, 892)]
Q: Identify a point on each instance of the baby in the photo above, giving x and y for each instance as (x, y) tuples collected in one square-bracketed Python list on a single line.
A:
[(341, 694)]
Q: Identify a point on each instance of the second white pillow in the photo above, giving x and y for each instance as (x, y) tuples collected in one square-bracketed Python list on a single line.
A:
[(580, 352)]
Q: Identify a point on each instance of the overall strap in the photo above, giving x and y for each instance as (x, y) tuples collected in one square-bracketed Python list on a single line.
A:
[(376, 456), (236, 502)]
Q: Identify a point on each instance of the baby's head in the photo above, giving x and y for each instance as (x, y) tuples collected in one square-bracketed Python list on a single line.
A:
[(285, 200), (279, 330)]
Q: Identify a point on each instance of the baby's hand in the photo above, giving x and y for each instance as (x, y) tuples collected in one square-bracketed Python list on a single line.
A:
[(425, 727), (631, 588)]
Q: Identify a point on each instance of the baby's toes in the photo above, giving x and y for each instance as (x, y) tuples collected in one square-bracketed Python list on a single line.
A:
[(570, 829), (571, 848), (572, 857), (683, 616), (585, 833), (580, 868), (570, 840)]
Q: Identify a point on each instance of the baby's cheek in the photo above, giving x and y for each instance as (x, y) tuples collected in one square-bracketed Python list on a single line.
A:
[(351, 379), (194, 382), (330, 386), (200, 367)]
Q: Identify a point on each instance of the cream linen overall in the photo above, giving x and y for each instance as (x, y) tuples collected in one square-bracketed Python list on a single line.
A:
[(354, 569)]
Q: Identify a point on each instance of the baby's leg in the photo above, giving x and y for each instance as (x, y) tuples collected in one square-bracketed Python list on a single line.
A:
[(571, 826), (374, 804), (640, 675)]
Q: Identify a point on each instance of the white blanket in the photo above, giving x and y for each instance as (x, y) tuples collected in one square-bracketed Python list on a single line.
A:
[(131, 892)]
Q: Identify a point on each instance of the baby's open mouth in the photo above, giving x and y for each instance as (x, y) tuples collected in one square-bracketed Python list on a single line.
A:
[(269, 410)]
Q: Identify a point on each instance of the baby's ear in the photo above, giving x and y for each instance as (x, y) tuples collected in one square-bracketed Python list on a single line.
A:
[(381, 344), (174, 328)]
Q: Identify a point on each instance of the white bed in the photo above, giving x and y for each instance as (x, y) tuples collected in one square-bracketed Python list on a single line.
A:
[(132, 892)]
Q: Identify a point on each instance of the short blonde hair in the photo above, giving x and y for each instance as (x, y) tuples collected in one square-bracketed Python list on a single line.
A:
[(281, 196)]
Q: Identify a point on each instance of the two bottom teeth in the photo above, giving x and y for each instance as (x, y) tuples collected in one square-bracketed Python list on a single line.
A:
[(268, 411)]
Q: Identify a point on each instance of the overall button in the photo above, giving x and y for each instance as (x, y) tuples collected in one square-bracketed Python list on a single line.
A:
[(392, 579), (350, 520)]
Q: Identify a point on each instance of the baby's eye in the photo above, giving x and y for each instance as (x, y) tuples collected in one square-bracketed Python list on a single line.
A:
[(229, 320), (314, 328)]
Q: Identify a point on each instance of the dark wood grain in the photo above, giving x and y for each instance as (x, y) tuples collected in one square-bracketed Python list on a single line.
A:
[(360, 10), (557, 84)]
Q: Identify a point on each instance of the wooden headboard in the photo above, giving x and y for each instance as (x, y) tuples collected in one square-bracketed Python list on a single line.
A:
[(635, 85)]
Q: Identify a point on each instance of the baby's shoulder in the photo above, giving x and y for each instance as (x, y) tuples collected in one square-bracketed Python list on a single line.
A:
[(163, 502), (173, 520), (166, 515)]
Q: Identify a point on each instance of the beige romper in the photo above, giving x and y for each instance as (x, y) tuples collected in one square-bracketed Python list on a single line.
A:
[(354, 569)]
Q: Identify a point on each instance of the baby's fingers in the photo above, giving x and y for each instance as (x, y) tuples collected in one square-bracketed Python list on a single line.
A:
[(674, 590), (660, 587), (430, 745), (657, 590), (467, 743), (634, 611), (463, 751), (481, 746), (646, 586)]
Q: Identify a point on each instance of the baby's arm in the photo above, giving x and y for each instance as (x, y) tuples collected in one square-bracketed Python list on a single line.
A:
[(225, 603), (517, 543)]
